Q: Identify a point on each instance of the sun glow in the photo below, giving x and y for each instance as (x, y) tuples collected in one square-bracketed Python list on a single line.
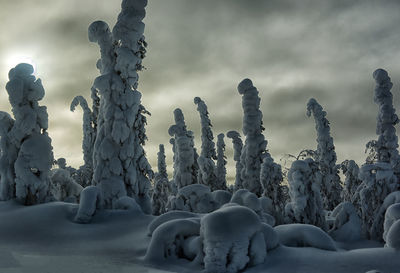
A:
[(13, 59)]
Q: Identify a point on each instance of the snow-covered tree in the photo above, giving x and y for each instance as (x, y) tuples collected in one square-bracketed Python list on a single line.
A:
[(161, 185), (387, 143), (237, 151), (85, 172), (220, 171), (350, 170), (119, 161), (185, 171), (254, 149), (271, 180), (208, 154), (26, 146), (326, 156), (305, 195)]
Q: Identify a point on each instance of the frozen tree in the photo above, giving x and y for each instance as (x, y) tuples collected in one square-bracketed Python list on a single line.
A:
[(305, 195), (89, 137), (237, 151), (220, 171), (161, 187), (26, 147), (271, 180), (350, 170), (173, 186), (184, 172), (378, 181), (387, 143), (208, 154), (326, 156), (119, 161), (254, 149)]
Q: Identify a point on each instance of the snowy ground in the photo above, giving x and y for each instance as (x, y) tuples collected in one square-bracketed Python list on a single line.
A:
[(44, 238)]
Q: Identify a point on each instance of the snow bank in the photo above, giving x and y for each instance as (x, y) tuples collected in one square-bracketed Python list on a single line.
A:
[(303, 235)]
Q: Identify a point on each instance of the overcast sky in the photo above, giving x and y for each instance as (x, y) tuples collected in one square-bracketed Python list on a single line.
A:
[(292, 51)]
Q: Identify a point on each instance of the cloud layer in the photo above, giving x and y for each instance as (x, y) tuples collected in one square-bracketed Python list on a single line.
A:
[(292, 50)]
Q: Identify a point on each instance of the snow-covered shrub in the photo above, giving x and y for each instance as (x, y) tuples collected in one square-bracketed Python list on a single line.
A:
[(119, 161), (254, 149), (89, 136), (346, 223), (89, 202), (237, 151), (161, 185), (233, 238), (392, 226), (303, 235), (262, 206), (378, 181), (193, 198), (220, 171), (184, 169), (304, 190), (271, 179), (387, 143), (326, 156), (64, 187), (175, 239), (350, 170), (391, 199)]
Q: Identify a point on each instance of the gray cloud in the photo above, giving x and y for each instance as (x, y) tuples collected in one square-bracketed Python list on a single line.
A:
[(292, 50)]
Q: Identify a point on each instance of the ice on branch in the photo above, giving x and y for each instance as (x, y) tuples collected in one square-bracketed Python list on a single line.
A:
[(326, 156), (254, 149)]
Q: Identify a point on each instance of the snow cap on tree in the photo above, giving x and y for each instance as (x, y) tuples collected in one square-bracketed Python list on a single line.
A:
[(326, 156), (254, 149)]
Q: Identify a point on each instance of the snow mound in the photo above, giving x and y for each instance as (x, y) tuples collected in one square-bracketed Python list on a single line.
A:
[(391, 226), (169, 216), (193, 198), (127, 203), (89, 202), (233, 239), (304, 235), (221, 197), (347, 223)]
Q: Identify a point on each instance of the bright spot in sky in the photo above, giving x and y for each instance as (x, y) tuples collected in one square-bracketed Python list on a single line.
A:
[(14, 59)]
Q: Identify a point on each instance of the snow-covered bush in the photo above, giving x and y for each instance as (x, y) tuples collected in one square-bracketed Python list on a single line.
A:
[(254, 149), (89, 202), (271, 179), (184, 161), (326, 156), (346, 224), (351, 171), (237, 151), (387, 143), (26, 146), (304, 190), (64, 187), (220, 171), (233, 238), (391, 234), (193, 198), (119, 161), (303, 235), (378, 181), (161, 185)]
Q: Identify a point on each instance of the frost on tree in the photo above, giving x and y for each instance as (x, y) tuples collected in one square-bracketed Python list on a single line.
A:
[(271, 180), (208, 154), (119, 161), (220, 171), (237, 151), (254, 149), (305, 207), (85, 172), (185, 171), (387, 143), (27, 154), (378, 181), (161, 185), (350, 170), (326, 156)]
